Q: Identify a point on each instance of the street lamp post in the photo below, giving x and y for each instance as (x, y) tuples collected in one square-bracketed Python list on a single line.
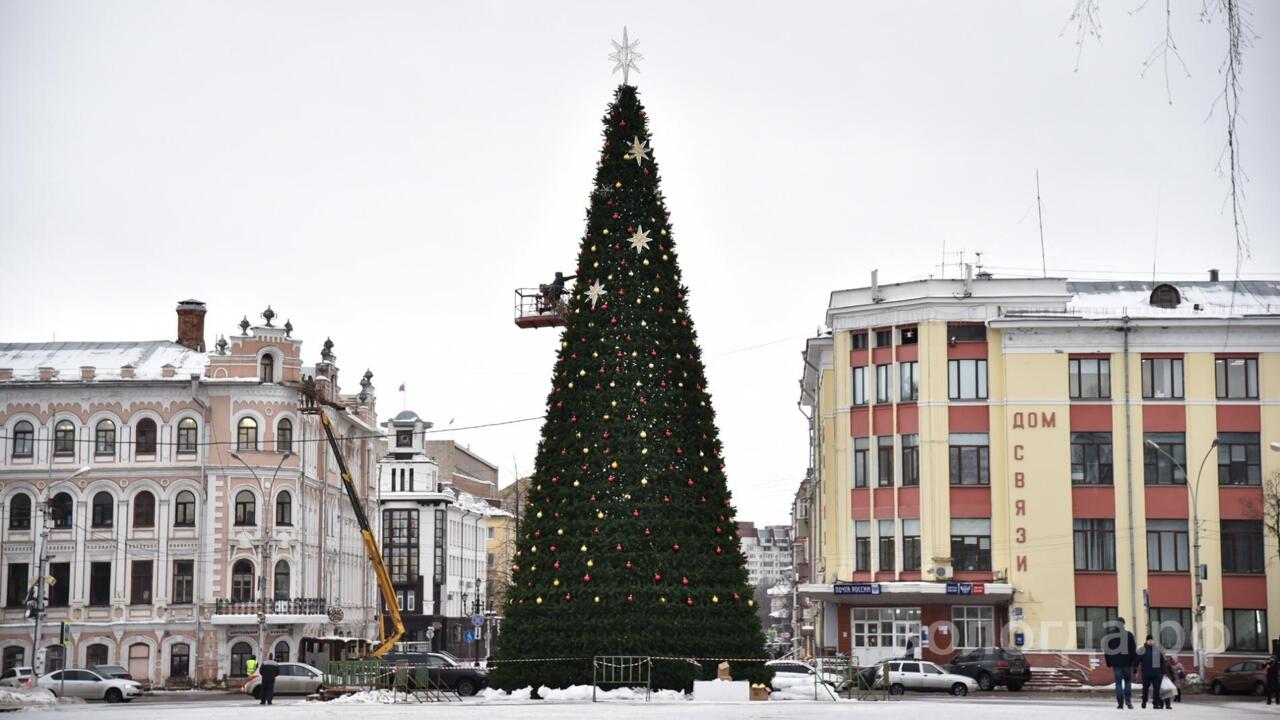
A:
[(265, 546), (44, 561), (1195, 546)]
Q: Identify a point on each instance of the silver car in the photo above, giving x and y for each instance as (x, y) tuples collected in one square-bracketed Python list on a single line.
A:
[(294, 679), (76, 682), (925, 676), (18, 677)]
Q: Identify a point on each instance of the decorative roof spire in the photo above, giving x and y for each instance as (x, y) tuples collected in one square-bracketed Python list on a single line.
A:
[(269, 315), (288, 328), (221, 345), (244, 325), (366, 382), (326, 352)]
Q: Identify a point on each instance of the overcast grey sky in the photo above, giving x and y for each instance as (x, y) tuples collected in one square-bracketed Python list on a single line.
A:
[(386, 173)]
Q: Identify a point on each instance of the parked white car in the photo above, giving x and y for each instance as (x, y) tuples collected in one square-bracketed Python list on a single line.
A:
[(798, 669), (294, 679), (76, 682), (925, 676), (18, 677)]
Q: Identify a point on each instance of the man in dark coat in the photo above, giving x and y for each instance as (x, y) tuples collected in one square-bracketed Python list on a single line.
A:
[(1151, 665), (268, 670), (1273, 679), (1121, 651)]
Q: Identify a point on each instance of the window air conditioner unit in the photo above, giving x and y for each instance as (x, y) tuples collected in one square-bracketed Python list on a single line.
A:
[(942, 572)]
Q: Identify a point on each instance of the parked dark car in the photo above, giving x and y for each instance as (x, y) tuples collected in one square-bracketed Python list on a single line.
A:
[(112, 671), (443, 670), (1243, 677), (992, 667)]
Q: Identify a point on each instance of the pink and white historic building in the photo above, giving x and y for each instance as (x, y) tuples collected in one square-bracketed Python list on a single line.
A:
[(208, 496)]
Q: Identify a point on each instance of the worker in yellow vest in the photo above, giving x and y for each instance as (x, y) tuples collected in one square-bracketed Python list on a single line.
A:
[(251, 665)]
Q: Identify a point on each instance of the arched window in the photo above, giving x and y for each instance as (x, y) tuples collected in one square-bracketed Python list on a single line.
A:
[(282, 588), (64, 438), (281, 653), (24, 439), (240, 654), (179, 660), (247, 434), (242, 581), (20, 512), (267, 368), (1165, 296), (144, 510), (186, 436), (284, 508), (145, 440), (284, 436), (104, 438), (13, 657), (95, 654), (103, 510), (184, 509), (246, 512), (140, 661), (62, 510)]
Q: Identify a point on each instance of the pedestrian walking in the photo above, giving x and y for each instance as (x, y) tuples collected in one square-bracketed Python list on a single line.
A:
[(269, 670), (1151, 666), (1273, 679), (1121, 652), (1179, 676)]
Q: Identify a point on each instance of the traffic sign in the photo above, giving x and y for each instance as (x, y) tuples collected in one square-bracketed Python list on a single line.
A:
[(469, 637), (477, 620)]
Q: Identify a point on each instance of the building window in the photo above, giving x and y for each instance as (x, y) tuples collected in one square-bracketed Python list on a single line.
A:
[(411, 601), (54, 658), (966, 332), (281, 653), (971, 544), (104, 438), (179, 660), (145, 439), (1246, 630), (1239, 459), (20, 512), (64, 438), (862, 545), (1242, 547), (284, 509), (242, 581), (439, 546), (16, 583), (1165, 296), (102, 510), (284, 436), (858, 340), (247, 434), (1091, 458), (884, 461), (184, 576), (910, 460), (860, 386), (246, 510), (974, 626), (184, 509), (1171, 627), (911, 544), (1158, 468), (967, 379), (24, 439), (400, 544), (884, 338), (884, 383), (1161, 378), (887, 543), (99, 584), (186, 436), (240, 654), (1092, 624), (1095, 542), (267, 368), (1089, 378), (13, 657), (59, 592), (62, 511), (1237, 378), (404, 438), (885, 627), (140, 583), (908, 382), (861, 448), (1167, 546), (144, 510), (908, 336), (970, 459), (282, 585)]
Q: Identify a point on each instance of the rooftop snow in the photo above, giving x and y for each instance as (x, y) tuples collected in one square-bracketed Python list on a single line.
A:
[(147, 358), (1214, 299)]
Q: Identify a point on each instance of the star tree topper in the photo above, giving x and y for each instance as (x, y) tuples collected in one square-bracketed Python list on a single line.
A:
[(595, 292), (625, 56), (640, 240)]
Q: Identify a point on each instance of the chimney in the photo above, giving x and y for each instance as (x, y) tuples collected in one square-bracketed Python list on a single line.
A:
[(127, 372), (968, 280), (1213, 275), (875, 287), (191, 324), (87, 372)]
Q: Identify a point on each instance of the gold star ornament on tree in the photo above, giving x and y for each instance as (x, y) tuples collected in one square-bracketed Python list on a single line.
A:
[(640, 240), (595, 292)]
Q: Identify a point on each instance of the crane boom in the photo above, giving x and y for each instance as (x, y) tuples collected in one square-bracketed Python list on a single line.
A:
[(389, 640)]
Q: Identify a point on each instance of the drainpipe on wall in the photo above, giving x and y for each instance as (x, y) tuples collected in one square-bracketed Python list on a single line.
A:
[(1128, 485), (204, 504)]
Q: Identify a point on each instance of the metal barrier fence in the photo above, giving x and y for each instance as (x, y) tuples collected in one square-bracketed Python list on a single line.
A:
[(835, 672), (408, 682), (625, 670)]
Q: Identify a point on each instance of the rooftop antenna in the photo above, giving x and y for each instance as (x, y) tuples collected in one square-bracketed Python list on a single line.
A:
[(1044, 272)]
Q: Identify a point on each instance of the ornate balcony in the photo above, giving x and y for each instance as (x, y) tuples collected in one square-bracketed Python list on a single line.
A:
[(292, 610)]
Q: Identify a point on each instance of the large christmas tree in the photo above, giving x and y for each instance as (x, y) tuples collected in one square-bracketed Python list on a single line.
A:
[(629, 544)]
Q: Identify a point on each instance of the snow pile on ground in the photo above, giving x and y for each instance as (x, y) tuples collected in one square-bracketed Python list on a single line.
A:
[(580, 693), (368, 697), (794, 686), (14, 698)]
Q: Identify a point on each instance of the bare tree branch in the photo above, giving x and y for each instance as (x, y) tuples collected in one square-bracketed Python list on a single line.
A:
[(1087, 19), (1164, 50)]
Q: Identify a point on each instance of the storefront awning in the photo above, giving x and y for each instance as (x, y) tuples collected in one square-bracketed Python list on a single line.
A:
[(881, 594)]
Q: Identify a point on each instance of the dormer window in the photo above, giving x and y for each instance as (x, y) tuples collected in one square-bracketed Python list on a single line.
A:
[(1165, 296), (404, 438), (267, 368)]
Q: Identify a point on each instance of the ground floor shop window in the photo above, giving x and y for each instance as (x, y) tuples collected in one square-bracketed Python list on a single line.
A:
[(13, 657), (95, 654), (1246, 630), (281, 653), (240, 654), (974, 626), (1171, 627), (885, 627), (180, 660), (1091, 626)]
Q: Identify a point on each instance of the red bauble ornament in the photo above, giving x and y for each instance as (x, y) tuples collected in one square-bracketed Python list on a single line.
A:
[(684, 581), (628, 564), (718, 550), (556, 564), (617, 548), (567, 597), (630, 598), (657, 577), (647, 532), (666, 498), (688, 601), (586, 578), (736, 597), (675, 547)]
